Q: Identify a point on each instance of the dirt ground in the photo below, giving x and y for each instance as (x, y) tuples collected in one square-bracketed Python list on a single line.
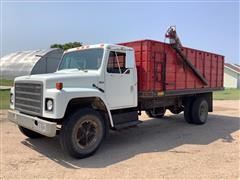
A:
[(157, 148)]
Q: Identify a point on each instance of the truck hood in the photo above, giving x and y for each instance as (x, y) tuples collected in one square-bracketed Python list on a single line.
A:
[(69, 78)]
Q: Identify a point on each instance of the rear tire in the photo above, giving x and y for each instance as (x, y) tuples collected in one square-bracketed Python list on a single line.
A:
[(82, 133), (200, 111), (188, 111), (29, 133), (159, 113)]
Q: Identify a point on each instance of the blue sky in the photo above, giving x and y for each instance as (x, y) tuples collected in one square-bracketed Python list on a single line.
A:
[(210, 26)]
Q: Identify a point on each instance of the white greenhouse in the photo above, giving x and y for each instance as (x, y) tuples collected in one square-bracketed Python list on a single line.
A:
[(29, 62)]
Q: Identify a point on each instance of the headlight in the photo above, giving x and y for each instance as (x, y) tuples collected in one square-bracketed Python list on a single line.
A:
[(49, 104), (11, 98)]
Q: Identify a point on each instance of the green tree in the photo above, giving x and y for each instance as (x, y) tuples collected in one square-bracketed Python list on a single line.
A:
[(67, 45)]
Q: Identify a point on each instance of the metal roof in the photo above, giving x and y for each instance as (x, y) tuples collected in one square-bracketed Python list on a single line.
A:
[(233, 67)]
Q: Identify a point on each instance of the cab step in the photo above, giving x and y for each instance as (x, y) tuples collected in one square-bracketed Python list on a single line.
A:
[(127, 124)]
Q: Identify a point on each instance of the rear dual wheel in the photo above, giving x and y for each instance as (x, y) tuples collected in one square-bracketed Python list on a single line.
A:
[(196, 111)]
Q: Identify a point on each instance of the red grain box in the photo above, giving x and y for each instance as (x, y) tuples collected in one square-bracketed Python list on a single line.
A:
[(160, 69)]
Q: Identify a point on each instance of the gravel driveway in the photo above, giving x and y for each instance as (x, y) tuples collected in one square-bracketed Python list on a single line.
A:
[(157, 148)]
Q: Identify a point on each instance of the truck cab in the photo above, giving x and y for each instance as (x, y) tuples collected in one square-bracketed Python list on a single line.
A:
[(94, 89)]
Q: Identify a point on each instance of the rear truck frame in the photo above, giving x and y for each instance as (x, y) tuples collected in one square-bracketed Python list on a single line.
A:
[(105, 87)]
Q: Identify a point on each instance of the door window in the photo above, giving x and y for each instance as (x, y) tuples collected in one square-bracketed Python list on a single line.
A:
[(116, 62)]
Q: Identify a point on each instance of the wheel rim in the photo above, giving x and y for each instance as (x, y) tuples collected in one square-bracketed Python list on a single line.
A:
[(86, 134), (203, 112)]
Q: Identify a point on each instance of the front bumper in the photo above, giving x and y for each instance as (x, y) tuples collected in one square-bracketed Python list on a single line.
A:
[(35, 124)]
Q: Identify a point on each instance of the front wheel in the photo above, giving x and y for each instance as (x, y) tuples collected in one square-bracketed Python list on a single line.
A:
[(82, 133)]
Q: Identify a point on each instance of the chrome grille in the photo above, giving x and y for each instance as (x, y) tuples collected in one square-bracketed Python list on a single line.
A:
[(28, 97)]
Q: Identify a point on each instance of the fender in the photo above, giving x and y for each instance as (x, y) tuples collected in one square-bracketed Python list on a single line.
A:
[(62, 97)]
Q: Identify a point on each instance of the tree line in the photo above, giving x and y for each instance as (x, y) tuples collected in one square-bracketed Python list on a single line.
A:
[(66, 46)]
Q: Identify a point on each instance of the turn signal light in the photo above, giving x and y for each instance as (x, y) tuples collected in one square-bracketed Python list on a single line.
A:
[(59, 85)]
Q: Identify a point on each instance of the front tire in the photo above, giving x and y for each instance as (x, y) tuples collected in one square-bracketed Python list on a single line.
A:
[(29, 133), (82, 133)]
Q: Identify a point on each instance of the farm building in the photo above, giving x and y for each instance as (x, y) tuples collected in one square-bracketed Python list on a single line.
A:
[(231, 76), (29, 62)]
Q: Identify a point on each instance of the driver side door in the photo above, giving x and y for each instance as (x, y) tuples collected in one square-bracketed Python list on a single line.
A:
[(120, 86)]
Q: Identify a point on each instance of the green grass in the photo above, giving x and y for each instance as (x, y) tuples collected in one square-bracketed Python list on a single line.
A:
[(227, 94), (5, 82), (4, 99)]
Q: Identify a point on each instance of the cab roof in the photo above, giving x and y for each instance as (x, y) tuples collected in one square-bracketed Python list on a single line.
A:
[(106, 46)]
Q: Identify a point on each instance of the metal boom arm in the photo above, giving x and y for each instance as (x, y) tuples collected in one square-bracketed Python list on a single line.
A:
[(177, 45)]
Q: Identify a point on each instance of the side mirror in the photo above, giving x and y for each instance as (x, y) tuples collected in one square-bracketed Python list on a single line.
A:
[(130, 60)]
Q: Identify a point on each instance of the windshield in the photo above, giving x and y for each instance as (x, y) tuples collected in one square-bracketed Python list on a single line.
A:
[(89, 59)]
